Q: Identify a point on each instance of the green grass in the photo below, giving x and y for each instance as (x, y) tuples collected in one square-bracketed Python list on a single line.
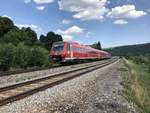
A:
[(137, 85)]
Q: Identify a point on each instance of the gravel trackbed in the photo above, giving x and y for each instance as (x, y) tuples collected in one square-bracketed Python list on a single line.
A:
[(99, 91)]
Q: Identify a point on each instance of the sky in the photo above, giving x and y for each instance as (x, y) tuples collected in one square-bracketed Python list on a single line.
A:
[(112, 22)]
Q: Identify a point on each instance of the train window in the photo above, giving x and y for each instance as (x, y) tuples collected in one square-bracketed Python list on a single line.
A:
[(58, 46), (74, 49), (79, 50)]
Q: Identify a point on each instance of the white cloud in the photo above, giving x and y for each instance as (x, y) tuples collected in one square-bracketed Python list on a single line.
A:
[(67, 37), (125, 11), (43, 1), (27, 25), (7, 16), (40, 7), (91, 14), (148, 10), (70, 31), (120, 21), (85, 9), (32, 26), (65, 21), (70, 38), (88, 34), (27, 1)]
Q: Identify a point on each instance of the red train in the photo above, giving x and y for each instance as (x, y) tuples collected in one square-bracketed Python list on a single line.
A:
[(72, 51)]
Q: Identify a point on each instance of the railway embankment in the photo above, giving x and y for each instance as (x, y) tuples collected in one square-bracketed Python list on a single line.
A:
[(99, 91), (16, 78)]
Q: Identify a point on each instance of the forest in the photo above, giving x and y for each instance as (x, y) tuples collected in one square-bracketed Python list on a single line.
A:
[(20, 48), (130, 50)]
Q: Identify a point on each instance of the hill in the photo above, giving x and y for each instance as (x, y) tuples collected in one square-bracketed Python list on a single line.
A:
[(130, 50)]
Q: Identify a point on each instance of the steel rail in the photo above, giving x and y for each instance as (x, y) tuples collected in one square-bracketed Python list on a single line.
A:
[(48, 82), (4, 88), (7, 73)]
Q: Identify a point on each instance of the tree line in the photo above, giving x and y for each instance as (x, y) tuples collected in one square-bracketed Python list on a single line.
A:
[(130, 50), (9, 33), (139, 53), (21, 48), (97, 45)]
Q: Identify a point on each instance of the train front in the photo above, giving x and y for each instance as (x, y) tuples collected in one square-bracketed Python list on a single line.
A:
[(57, 51)]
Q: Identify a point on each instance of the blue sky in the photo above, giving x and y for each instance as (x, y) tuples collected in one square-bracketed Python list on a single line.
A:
[(113, 22)]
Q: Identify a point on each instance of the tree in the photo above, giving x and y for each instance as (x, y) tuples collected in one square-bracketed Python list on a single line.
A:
[(42, 38), (5, 25), (48, 40), (130, 50), (7, 55), (97, 45), (14, 37), (31, 36)]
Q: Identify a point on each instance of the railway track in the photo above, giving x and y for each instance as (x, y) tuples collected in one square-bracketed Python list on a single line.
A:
[(21, 90), (7, 73)]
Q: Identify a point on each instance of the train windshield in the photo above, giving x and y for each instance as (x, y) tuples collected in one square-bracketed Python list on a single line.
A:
[(58, 46)]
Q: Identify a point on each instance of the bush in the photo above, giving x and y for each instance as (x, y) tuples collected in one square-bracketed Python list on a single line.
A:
[(7, 55), (31, 57), (145, 60), (22, 56), (148, 61), (139, 59), (38, 57)]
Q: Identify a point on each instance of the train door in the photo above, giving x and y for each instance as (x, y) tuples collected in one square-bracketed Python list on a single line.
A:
[(69, 51)]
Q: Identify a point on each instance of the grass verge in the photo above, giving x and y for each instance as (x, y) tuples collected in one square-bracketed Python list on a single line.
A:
[(137, 85)]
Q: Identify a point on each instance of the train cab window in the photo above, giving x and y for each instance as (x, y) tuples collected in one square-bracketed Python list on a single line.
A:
[(58, 46)]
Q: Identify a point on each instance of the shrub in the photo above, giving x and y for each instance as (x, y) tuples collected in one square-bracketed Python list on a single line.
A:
[(148, 61), (22, 56), (7, 55), (31, 56), (38, 57)]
